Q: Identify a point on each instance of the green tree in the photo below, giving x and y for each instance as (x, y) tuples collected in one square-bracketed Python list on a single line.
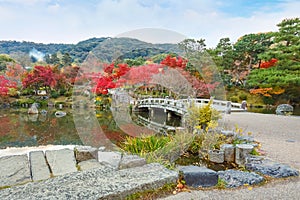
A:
[(54, 59), (250, 46), (224, 57), (66, 60), (192, 45), (286, 72), (4, 60), (286, 46)]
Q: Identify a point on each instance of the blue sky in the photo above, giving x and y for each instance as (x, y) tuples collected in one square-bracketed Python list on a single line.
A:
[(70, 21)]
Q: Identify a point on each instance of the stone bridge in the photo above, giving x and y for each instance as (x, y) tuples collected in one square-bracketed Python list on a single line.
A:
[(181, 106)]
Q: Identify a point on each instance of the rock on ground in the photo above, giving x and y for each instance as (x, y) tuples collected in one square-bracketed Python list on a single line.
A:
[(270, 168), (129, 161), (100, 183), (89, 164), (14, 170), (38, 165), (195, 176), (61, 161), (235, 178)]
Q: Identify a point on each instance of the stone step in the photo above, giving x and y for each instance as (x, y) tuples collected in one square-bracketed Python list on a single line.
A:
[(61, 161), (100, 183), (38, 166), (14, 170)]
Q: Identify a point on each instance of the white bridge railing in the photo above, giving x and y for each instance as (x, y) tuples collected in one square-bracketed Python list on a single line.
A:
[(181, 106)]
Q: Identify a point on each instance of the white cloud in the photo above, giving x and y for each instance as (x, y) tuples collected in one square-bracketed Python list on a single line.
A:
[(72, 21), (54, 8)]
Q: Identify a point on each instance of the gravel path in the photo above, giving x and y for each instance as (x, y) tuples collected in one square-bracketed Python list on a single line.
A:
[(280, 138), (279, 135)]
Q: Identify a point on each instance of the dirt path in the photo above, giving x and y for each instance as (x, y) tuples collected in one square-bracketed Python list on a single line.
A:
[(280, 138)]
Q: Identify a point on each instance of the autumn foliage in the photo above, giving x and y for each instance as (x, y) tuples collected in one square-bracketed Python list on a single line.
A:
[(107, 80), (266, 92), (40, 76), (6, 85), (174, 62), (268, 64)]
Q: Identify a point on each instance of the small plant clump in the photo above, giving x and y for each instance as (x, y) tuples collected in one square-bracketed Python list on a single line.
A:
[(221, 184)]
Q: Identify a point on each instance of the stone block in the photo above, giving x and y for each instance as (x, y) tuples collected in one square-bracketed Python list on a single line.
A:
[(38, 166), (216, 156), (61, 161), (242, 152), (229, 152), (83, 153), (14, 170), (246, 138), (199, 176), (228, 133), (110, 157), (129, 161), (89, 164)]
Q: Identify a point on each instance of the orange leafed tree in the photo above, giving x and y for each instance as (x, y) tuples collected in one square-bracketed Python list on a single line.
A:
[(267, 92)]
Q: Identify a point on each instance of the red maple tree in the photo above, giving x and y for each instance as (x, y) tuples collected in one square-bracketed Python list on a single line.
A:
[(174, 62), (40, 76), (6, 85), (103, 84)]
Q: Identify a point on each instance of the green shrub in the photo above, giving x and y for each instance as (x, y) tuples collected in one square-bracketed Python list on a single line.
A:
[(162, 149), (54, 94), (204, 117), (68, 93), (43, 103), (62, 91), (207, 141), (234, 99), (221, 184), (27, 91), (243, 97), (268, 100), (26, 101), (144, 144)]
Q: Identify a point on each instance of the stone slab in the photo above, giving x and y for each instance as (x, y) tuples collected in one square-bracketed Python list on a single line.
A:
[(100, 183), (271, 168), (195, 176), (236, 178), (129, 161), (89, 164), (61, 161), (38, 166), (83, 153), (110, 157), (14, 170)]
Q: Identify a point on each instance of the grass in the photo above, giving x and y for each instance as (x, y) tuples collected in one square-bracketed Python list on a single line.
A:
[(163, 191)]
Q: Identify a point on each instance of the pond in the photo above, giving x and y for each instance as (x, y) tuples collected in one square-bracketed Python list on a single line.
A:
[(19, 129)]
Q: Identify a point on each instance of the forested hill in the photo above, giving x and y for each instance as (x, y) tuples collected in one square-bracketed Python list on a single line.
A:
[(126, 47)]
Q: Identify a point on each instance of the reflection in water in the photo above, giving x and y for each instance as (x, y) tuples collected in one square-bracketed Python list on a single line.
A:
[(18, 129), (160, 116), (21, 129)]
